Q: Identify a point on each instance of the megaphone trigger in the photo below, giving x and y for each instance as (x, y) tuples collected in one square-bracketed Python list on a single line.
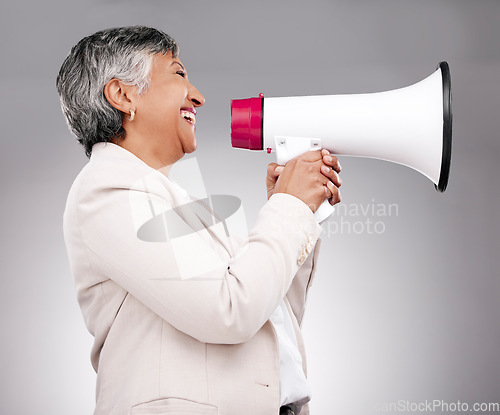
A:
[(288, 148)]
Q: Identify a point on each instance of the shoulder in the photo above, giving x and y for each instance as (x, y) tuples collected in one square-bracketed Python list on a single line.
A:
[(113, 176), (112, 167)]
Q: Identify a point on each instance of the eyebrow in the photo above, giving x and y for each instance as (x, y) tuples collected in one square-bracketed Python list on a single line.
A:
[(180, 64)]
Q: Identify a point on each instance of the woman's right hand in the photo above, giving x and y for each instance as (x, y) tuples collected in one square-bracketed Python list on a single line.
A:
[(312, 177)]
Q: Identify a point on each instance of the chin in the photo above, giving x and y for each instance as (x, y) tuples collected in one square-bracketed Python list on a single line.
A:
[(191, 147)]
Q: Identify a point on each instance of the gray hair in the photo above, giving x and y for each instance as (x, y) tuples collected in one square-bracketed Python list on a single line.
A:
[(124, 53)]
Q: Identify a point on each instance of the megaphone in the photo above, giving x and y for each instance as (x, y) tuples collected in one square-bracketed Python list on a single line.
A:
[(411, 126)]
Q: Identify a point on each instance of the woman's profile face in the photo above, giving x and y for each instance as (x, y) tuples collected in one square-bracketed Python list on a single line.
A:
[(166, 112)]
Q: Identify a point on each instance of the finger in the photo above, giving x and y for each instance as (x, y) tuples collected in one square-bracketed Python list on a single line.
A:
[(335, 193), (274, 170), (332, 175), (332, 161), (328, 192)]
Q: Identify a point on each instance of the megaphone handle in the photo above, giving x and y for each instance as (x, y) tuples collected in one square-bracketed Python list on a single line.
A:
[(324, 211), (290, 147)]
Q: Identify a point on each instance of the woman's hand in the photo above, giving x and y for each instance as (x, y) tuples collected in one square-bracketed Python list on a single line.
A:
[(312, 177)]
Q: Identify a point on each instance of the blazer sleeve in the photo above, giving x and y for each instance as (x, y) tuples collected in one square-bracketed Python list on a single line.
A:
[(228, 302)]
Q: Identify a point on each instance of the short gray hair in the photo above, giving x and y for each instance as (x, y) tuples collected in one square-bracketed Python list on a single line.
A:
[(124, 53)]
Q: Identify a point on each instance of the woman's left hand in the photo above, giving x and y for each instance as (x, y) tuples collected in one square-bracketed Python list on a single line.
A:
[(274, 170)]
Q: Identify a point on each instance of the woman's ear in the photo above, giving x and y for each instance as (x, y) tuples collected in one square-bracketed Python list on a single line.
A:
[(119, 95)]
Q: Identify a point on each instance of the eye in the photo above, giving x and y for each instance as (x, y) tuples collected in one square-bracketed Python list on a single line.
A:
[(181, 73)]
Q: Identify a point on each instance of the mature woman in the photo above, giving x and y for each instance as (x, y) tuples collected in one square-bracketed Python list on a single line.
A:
[(193, 324)]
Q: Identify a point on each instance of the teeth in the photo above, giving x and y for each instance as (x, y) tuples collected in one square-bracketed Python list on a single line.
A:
[(188, 115)]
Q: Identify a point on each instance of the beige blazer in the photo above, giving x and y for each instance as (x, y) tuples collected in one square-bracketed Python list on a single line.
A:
[(181, 325)]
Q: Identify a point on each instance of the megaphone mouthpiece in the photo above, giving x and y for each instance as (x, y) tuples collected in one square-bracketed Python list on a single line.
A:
[(247, 123)]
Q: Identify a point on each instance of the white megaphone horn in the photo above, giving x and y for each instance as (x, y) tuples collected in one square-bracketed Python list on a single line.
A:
[(410, 126)]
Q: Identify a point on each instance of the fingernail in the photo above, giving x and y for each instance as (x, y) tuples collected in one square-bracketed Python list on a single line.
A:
[(338, 164), (325, 169), (278, 169), (328, 159)]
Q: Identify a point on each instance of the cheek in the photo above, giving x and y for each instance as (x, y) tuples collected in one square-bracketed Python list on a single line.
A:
[(163, 113), (163, 105)]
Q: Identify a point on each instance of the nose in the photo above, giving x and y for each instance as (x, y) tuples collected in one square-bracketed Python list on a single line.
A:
[(195, 96)]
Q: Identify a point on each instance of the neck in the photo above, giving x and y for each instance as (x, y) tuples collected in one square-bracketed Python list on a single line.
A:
[(150, 152)]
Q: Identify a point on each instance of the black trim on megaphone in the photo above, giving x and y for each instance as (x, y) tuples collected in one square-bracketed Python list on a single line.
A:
[(447, 127)]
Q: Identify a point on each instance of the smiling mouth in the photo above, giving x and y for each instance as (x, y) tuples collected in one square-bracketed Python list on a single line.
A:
[(189, 115)]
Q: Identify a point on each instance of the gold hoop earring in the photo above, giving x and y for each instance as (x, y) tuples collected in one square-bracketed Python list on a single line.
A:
[(132, 115)]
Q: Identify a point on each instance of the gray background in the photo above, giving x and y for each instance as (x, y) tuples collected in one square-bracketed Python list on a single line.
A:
[(409, 314)]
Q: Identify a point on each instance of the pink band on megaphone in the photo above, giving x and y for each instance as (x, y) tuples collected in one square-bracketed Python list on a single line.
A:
[(246, 123)]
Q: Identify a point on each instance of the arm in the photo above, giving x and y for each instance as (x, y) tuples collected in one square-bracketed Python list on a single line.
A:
[(229, 303), (297, 294)]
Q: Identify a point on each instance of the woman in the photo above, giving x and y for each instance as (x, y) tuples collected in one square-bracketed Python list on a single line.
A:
[(194, 324)]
